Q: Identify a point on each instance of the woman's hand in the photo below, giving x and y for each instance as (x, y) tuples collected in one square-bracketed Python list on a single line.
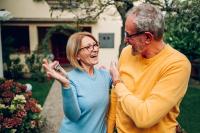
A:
[(56, 73), (114, 72)]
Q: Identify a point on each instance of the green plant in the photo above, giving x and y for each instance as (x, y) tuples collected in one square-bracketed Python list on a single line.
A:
[(7, 49), (13, 69), (19, 112), (34, 63), (183, 28)]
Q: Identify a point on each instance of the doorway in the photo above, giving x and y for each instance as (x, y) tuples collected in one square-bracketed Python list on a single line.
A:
[(58, 46)]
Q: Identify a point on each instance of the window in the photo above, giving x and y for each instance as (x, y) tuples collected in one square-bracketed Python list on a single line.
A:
[(16, 38), (86, 28), (42, 31)]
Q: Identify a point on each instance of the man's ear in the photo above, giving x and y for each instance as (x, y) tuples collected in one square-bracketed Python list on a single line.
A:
[(149, 37)]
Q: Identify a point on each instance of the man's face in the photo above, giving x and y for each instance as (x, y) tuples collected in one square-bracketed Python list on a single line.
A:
[(134, 38)]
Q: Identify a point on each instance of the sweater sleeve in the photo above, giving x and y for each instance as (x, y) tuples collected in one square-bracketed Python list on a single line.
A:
[(70, 103), (167, 93), (112, 112)]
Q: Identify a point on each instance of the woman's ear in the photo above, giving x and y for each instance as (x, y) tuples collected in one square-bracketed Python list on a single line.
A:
[(149, 37), (78, 58)]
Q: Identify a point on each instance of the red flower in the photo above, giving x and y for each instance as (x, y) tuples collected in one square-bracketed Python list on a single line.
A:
[(13, 116), (12, 122), (1, 118), (8, 94), (7, 85), (28, 94), (31, 105), (22, 113), (23, 88), (35, 109)]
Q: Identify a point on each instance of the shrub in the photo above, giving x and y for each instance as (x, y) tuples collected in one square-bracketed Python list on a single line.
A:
[(19, 112), (13, 69), (183, 28), (34, 63)]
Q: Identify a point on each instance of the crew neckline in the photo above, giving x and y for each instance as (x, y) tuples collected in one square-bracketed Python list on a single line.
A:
[(87, 75), (149, 60)]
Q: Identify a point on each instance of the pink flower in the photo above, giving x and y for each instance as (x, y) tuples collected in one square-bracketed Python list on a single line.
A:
[(12, 122), (21, 113), (7, 85), (8, 94)]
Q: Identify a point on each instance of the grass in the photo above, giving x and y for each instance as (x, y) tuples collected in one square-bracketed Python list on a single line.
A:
[(40, 90), (189, 117)]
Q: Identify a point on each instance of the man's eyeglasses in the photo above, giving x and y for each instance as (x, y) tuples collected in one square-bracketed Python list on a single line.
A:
[(91, 47), (132, 35)]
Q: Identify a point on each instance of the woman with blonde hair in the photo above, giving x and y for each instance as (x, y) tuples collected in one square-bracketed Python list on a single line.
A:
[(85, 89)]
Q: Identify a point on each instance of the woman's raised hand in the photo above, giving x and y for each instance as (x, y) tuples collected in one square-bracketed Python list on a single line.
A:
[(114, 72), (53, 71)]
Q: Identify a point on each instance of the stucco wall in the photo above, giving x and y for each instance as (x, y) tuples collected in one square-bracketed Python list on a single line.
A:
[(30, 9)]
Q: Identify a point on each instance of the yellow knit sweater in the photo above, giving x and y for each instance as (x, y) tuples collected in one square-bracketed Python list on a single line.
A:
[(152, 91)]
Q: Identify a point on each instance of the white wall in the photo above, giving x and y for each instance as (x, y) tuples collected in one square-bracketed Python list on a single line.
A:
[(106, 55), (30, 9)]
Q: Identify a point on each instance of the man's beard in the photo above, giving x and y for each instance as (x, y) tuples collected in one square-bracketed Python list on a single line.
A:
[(137, 50)]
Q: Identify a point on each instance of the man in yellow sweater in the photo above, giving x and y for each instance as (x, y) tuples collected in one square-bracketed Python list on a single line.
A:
[(151, 79)]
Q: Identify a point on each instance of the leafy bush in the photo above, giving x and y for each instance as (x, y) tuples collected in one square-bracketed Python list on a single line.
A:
[(13, 69), (183, 28), (34, 63), (19, 112)]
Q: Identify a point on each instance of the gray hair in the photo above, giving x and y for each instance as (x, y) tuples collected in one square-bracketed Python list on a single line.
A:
[(148, 18)]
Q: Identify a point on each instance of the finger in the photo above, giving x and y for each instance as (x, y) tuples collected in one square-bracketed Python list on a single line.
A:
[(46, 67), (49, 75), (45, 61), (53, 64)]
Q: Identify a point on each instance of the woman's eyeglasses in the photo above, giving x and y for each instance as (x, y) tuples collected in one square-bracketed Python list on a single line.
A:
[(91, 47)]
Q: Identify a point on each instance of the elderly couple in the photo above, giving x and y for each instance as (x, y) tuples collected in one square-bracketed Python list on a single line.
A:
[(148, 84)]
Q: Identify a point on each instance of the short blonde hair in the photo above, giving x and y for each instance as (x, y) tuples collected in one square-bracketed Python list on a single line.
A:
[(73, 46)]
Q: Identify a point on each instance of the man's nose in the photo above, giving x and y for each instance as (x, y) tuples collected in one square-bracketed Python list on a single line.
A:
[(95, 49)]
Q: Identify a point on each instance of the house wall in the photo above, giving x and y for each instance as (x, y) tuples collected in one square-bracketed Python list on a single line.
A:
[(109, 22), (31, 9)]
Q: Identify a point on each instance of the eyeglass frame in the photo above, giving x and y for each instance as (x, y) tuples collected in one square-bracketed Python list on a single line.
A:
[(96, 44), (126, 35)]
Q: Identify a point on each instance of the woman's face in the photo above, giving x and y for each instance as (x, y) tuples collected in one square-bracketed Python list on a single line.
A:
[(88, 52)]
